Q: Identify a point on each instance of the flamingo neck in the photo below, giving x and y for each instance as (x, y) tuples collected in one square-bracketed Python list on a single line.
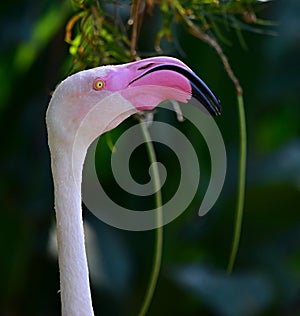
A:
[(74, 276), (71, 129)]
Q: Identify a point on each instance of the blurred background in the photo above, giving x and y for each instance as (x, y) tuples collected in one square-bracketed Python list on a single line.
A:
[(193, 280)]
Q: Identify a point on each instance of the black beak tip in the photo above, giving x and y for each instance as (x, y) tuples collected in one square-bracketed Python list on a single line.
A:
[(206, 98), (215, 111), (218, 108), (214, 107)]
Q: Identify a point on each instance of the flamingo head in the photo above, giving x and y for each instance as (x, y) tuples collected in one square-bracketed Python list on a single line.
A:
[(107, 95)]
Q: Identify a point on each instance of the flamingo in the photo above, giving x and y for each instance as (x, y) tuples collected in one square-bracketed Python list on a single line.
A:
[(82, 107)]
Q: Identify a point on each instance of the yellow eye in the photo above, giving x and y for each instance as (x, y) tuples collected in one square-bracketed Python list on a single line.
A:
[(99, 84)]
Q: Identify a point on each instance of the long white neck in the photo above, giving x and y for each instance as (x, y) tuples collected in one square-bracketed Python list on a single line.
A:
[(71, 129), (74, 276)]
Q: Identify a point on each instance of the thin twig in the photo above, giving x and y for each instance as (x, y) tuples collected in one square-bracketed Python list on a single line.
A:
[(134, 22), (196, 31)]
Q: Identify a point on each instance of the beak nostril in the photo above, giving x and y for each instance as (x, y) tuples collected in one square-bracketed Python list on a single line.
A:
[(146, 66)]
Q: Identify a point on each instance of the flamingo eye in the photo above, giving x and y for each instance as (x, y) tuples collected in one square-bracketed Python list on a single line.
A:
[(98, 84)]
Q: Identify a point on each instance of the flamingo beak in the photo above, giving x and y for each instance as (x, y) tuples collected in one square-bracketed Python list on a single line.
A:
[(199, 89)]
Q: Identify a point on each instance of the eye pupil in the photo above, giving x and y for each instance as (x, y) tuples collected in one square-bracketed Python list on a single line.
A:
[(98, 84)]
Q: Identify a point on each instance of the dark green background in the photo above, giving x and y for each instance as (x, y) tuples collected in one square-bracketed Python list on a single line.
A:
[(193, 280)]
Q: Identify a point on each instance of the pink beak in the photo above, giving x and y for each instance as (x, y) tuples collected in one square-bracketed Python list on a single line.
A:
[(162, 78)]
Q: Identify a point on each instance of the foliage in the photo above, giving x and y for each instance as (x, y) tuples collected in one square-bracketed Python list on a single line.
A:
[(97, 41), (99, 34)]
